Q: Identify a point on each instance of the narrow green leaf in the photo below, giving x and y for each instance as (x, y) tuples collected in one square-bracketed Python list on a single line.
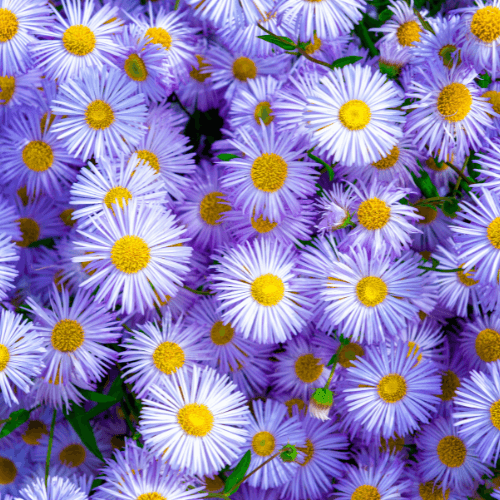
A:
[(46, 242), (472, 169), (97, 397), (385, 15), (303, 45), (362, 31), (283, 42), (115, 392), (78, 419), (226, 156), (329, 168), (425, 184), (345, 61), (16, 419), (238, 473)]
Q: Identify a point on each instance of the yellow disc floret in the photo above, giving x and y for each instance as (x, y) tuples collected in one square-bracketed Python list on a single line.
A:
[(212, 207), (429, 214), (488, 345), (38, 156), (160, 36), (485, 24), (221, 334), (268, 290), (73, 455), (8, 25), (263, 444), (7, 86), (67, 335), (262, 225), (392, 388), (8, 471), (371, 291), (495, 414), (99, 115), (431, 491), (117, 195), (348, 353), (366, 492), (493, 232), (151, 158), (355, 115), (4, 357), (454, 102), (373, 214), (313, 46), (34, 432), (494, 97), (168, 357), (151, 496), (196, 73), (135, 68), (269, 172), (451, 451), (466, 278), (263, 112), (388, 161), (30, 231), (408, 33), (130, 254), (244, 69), (449, 385), (308, 452), (195, 419), (79, 40), (308, 369)]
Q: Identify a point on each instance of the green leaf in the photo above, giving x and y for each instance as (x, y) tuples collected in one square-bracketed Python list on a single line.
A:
[(364, 35), (483, 80), (345, 61), (450, 207), (329, 168), (16, 419), (425, 184), (78, 419), (238, 473), (97, 397), (282, 41), (226, 156), (303, 45), (46, 242), (289, 454), (387, 69), (385, 15), (472, 169), (115, 392)]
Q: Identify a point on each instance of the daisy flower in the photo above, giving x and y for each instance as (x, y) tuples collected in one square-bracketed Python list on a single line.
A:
[(137, 254), (8, 256), (388, 391), (270, 177), (383, 480), (352, 116), (114, 182), (167, 151), (255, 286), (74, 335), (449, 113), (478, 235), (269, 430), (14, 463), (195, 423), (104, 114), (493, 95), (335, 206), (82, 39), (440, 173), (327, 20), (381, 220), (20, 20), (444, 457), (57, 488), (480, 24), (204, 207), (16, 90), (489, 162), (142, 62), (299, 369), (33, 157), (158, 350), (21, 353)]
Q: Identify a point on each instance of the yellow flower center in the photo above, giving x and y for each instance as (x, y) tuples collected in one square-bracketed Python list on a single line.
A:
[(454, 102), (466, 278), (151, 496), (446, 53), (161, 36), (348, 353), (429, 214), (196, 73), (30, 231), (99, 115), (195, 419), (8, 25), (488, 345), (451, 451), (79, 40), (135, 68), (151, 158), (263, 112), (388, 161), (262, 225), (308, 368), (117, 195), (268, 290), (213, 484), (366, 492), (244, 69), (269, 172), (494, 98), (263, 443), (314, 46), (430, 491), (212, 207), (308, 452), (221, 334), (43, 121), (413, 350), (7, 86), (301, 405), (373, 214), (495, 414), (8, 471), (449, 385), (486, 24), (371, 291), (130, 254), (34, 432), (38, 156), (73, 455), (67, 335), (67, 217), (436, 167), (4, 357), (493, 232), (393, 445), (355, 115), (392, 388), (408, 33), (168, 357)]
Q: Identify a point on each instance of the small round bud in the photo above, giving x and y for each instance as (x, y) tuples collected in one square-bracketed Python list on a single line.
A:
[(289, 454)]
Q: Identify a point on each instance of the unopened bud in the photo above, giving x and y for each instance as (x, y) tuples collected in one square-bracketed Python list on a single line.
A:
[(289, 454), (321, 402)]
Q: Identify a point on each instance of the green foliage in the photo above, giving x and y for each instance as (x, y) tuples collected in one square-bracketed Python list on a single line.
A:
[(345, 61), (323, 396), (238, 473), (483, 80), (281, 41), (289, 454), (385, 15), (329, 168), (343, 341), (450, 207), (46, 242), (16, 419), (392, 72), (226, 156), (425, 184)]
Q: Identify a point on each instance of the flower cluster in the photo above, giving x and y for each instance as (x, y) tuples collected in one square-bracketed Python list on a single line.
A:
[(249, 249)]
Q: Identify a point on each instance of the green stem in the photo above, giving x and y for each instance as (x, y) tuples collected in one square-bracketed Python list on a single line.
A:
[(49, 449), (199, 292), (455, 189), (460, 173), (435, 199), (176, 6), (441, 270), (327, 385)]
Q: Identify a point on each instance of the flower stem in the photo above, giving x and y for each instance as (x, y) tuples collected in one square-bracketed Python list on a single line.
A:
[(49, 449), (199, 292), (460, 173)]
